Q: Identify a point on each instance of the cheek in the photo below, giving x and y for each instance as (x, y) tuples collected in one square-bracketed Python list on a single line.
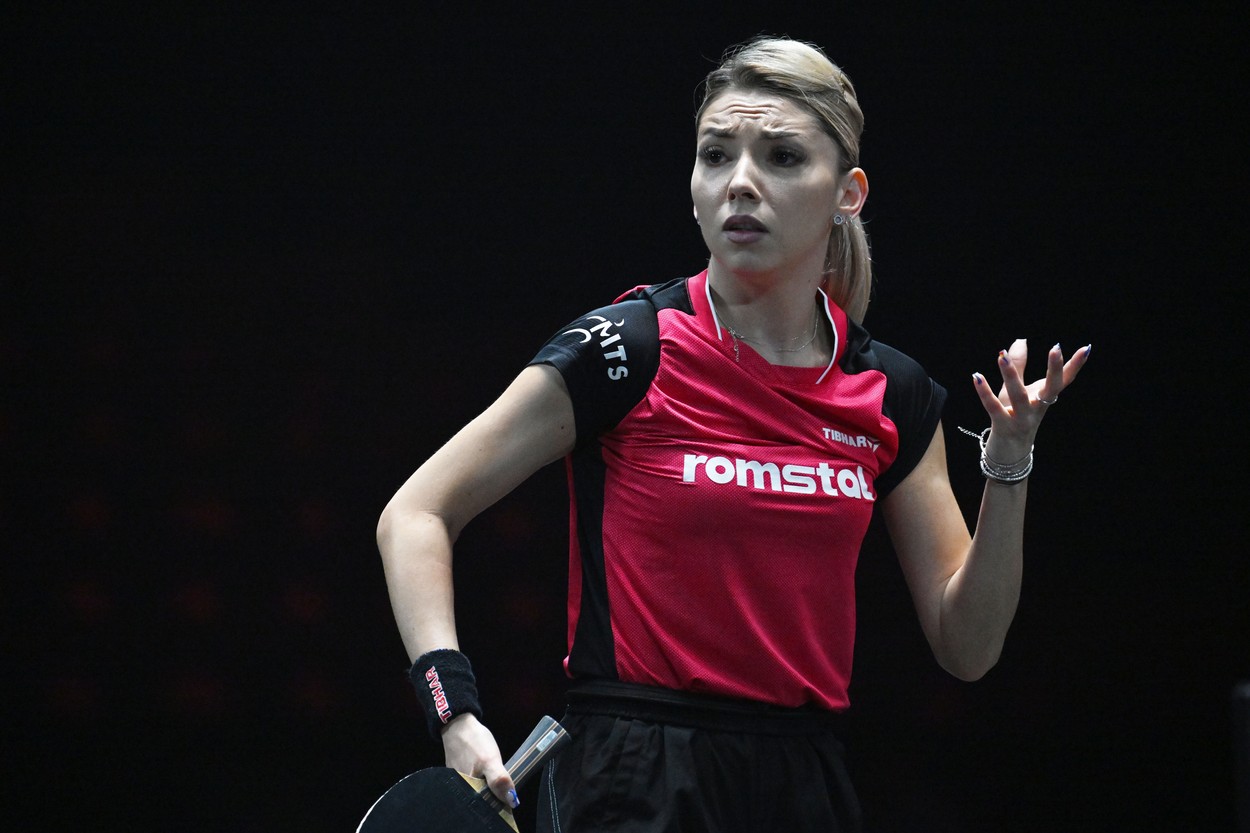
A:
[(818, 204), (811, 214), (701, 188)]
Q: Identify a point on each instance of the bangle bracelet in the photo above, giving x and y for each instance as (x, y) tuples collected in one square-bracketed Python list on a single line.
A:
[(1001, 472), (1007, 475)]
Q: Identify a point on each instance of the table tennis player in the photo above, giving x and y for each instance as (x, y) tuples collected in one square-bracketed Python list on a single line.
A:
[(727, 437)]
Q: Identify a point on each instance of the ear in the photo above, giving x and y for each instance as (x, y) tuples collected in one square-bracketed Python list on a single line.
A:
[(853, 193)]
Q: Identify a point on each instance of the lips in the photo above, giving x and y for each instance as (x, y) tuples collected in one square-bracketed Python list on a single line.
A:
[(743, 230), (743, 222)]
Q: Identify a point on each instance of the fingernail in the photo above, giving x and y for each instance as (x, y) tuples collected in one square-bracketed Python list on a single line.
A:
[(1057, 347), (1002, 356), (977, 378), (516, 801), (1088, 348)]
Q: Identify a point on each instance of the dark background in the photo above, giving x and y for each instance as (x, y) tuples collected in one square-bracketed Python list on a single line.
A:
[(260, 264)]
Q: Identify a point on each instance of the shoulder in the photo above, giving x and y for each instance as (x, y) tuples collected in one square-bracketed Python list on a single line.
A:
[(674, 294), (867, 353), (608, 339), (912, 400), (609, 356)]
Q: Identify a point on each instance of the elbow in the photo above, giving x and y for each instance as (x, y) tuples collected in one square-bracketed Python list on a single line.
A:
[(967, 674), (969, 668), (385, 526), (401, 527), (392, 524)]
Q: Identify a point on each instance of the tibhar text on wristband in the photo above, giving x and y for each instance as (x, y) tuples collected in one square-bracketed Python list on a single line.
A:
[(445, 686)]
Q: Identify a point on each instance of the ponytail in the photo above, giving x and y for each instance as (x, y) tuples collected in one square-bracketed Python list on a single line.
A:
[(848, 275)]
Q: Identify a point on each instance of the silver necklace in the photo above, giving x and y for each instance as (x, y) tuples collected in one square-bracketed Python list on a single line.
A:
[(739, 336)]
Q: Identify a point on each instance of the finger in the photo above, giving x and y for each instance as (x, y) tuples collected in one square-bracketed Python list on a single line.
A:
[(1075, 364), (989, 400), (501, 783), (1018, 352), (1017, 356), (1013, 385), (1051, 388)]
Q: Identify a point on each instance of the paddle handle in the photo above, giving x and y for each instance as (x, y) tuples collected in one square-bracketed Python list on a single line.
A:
[(548, 736)]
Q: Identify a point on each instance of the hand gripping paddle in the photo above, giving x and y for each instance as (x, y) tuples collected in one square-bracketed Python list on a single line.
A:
[(442, 800)]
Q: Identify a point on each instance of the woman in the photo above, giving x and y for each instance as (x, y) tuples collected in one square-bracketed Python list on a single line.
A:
[(727, 437)]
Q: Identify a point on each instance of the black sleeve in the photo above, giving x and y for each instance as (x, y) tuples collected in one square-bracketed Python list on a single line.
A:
[(914, 403), (608, 359)]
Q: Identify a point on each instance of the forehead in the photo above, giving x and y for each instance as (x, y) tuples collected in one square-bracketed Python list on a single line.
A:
[(736, 109)]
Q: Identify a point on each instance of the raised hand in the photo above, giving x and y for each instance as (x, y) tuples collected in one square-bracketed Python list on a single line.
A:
[(1017, 409)]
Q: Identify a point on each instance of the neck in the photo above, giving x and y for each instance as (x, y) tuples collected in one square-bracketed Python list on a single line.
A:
[(762, 308), (783, 324)]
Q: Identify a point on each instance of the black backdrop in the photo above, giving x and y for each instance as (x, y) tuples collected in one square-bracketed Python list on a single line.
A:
[(260, 263)]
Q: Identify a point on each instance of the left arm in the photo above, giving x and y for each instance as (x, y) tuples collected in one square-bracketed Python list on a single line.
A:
[(965, 588)]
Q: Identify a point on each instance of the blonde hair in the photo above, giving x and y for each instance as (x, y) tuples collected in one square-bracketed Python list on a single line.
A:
[(803, 73)]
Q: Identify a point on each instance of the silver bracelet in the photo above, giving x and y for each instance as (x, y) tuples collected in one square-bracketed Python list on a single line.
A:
[(1001, 472)]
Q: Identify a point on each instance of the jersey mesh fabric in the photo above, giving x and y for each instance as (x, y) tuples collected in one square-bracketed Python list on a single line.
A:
[(721, 502)]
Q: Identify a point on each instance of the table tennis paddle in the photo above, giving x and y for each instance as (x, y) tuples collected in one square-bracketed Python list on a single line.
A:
[(442, 800)]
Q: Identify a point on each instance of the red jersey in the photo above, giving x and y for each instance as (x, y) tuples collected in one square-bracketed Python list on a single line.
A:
[(719, 501)]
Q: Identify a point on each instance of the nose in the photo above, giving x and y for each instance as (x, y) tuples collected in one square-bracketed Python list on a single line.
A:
[(743, 181)]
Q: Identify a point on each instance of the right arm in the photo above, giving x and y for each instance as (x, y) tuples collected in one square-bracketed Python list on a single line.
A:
[(529, 426)]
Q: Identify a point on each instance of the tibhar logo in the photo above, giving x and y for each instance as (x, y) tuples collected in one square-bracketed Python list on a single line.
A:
[(600, 330), (857, 441), (440, 697), (799, 480)]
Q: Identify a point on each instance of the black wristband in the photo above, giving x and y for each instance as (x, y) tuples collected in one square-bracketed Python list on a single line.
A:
[(445, 686)]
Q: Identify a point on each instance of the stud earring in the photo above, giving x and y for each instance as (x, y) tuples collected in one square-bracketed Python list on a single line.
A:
[(838, 219)]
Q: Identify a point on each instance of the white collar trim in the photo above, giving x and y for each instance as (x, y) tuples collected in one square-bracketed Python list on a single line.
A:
[(720, 335)]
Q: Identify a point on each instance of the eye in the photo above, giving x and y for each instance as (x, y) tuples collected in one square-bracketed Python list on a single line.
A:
[(786, 157), (712, 155)]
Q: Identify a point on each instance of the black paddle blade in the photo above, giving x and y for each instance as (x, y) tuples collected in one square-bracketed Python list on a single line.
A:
[(439, 800), (434, 800)]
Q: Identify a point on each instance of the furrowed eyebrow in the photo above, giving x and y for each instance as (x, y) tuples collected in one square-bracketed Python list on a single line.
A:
[(728, 133)]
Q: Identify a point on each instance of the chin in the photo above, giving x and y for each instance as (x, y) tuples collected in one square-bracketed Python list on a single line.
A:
[(746, 262), (752, 273)]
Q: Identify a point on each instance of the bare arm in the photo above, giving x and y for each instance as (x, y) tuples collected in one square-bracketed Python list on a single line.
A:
[(529, 426), (966, 588)]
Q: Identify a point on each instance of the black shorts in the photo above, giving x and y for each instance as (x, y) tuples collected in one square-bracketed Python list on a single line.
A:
[(646, 760)]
